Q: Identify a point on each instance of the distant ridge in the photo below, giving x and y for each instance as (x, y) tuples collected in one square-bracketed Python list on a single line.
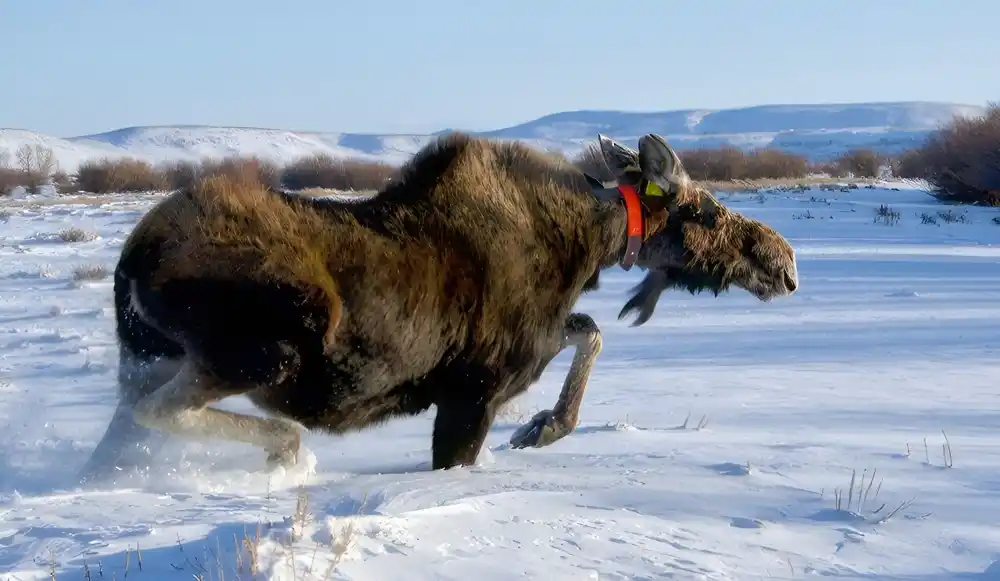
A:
[(817, 131)]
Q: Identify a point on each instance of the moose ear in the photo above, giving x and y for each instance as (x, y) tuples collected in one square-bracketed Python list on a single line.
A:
[(620, 158), (660, 163), (593, 182)]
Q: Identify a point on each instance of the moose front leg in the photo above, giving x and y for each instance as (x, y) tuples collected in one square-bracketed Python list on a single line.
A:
[(549, 426)]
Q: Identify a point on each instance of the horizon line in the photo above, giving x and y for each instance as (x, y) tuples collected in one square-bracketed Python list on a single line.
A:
[(565, 112)]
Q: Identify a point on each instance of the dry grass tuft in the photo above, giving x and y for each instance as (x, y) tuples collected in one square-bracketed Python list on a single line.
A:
[(255, 555), (701, 425), (947, 460), (950, 216), (859, 499), (91, 272), (76, 235), (887, 215), (338, 546)]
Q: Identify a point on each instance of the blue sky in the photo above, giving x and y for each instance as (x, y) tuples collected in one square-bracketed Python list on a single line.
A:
[(82, 66)]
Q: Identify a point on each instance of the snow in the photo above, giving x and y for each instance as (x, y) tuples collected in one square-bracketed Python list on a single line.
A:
[(713, 441), (816, 131)]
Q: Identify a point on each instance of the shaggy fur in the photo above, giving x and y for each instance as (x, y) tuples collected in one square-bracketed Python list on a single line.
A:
[(452, 287)]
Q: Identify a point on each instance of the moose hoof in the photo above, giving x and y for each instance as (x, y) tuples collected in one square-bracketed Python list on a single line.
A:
[(286, 456), (542, 430), (280, 460)]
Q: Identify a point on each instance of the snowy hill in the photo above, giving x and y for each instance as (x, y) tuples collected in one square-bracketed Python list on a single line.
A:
[(817, 131)]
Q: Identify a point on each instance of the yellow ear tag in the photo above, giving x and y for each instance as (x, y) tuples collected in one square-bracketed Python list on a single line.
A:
[(653, 190)]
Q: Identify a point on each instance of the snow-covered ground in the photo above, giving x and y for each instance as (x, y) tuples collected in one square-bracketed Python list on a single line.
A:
[(714, 441)]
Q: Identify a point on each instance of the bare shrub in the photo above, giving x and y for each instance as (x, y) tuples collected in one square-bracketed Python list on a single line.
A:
[(722, 163), (732, 163), (76, 235), (36, 164), (5, 215), (37, 159), (961, 160), (63, 183), (249, 169), (30, 167), (12, 178), (591, 161), (908, 165), (324, 171), (828, 167), (90, 272), (179, 174), (106, 176), (769, 163), (861, 163)]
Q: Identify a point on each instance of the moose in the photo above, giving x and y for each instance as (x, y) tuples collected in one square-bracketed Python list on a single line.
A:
[(453, 286)]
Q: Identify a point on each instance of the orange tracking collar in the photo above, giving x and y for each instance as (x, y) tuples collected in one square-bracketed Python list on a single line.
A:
[(634, 226)]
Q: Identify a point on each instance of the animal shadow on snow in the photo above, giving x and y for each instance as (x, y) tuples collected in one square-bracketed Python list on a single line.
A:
[(204, 557), (221, 552)]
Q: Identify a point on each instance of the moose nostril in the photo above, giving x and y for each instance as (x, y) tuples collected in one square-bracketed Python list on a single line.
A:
[(791, 282)]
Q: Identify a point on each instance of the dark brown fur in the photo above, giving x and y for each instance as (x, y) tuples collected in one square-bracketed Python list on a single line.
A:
[(452, 287)]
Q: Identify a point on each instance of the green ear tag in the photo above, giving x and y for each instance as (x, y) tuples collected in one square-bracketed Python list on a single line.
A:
[(652, 189)]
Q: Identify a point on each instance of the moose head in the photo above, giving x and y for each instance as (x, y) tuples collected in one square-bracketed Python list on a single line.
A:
[(686, 238)]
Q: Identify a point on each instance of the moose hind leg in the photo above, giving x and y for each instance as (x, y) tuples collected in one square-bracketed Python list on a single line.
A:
[(180, 407), (548, 426), (125, 444)]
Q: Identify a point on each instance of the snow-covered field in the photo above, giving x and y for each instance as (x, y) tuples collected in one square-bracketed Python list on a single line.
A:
[(714, 441)]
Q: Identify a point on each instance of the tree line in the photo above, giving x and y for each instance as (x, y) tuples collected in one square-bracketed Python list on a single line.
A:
[(960, 161)]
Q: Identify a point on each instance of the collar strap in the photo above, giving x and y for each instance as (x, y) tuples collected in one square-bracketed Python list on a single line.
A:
[(635, 225)]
